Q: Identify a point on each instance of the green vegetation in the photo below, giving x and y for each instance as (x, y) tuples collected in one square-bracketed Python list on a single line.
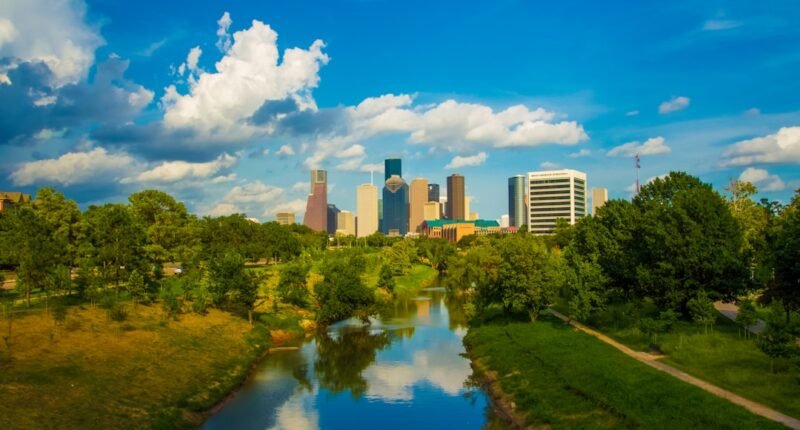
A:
[(419, 276), (561, 378)]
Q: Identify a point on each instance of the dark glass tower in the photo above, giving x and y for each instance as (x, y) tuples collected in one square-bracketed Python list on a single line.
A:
[(433, 193), (333, 215), (395, 199), (517, 212)]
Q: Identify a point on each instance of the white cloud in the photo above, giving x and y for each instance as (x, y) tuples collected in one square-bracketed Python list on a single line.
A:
[(469, 161), (256, 198), (673, 105), (781, 147), (582, 153), (632, 187), (752, 112), (223, 37), (285, 150), (720, 24), (193, 58), (762, 179), (301, 187), (632, 113), (52, 32), (96, 165), (652, 146), (174, 171), (297, 206), (250, 73), (548, 165)]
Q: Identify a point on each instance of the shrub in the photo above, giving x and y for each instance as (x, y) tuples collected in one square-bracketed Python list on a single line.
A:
[(117, 313)]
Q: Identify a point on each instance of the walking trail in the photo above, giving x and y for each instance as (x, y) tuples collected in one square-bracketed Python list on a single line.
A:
[(652, 361), (731, 311)]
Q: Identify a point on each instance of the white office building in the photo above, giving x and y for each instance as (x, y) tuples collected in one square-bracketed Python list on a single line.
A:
[(555, 194)]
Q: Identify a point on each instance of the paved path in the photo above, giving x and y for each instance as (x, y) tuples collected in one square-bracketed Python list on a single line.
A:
[(730, 311), (652, 361)]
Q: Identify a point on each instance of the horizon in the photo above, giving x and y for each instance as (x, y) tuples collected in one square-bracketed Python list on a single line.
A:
[(228, 107)]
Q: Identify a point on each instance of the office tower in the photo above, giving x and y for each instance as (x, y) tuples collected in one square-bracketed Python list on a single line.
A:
[(367, 210), (467, 203), (316, 216), (442, 207), (432, 211), (504, 221), (599, 198), (433, 192), (392, 166), (333, 218), (517, 210), (345, 223), (395, 200), (555, 194), (455, 198), (380, 214), (417, 197), (285, 218)]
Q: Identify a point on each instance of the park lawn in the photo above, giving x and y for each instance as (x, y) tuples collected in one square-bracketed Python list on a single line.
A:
[(560, 378), (722, 356), (419, 276), (141, 373)]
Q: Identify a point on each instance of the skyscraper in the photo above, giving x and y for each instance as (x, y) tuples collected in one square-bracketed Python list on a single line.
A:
[(367, 212), (316, 216), (555, 194), (395, 199), (432, 211), (333, 219), (455, 197), (599, 198), (345, 223), (284, 218), (418, 196), (517, 210), (392, 166), (433, 193)]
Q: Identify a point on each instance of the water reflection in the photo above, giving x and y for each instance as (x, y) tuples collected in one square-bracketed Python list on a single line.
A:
[(404, 369)]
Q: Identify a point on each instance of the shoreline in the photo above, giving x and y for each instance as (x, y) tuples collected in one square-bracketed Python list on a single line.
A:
[(502, 403)]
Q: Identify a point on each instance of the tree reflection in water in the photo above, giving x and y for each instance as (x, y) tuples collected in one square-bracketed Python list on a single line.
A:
[(341, 359)]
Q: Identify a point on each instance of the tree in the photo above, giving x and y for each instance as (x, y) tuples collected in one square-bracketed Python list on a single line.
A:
[(25, 239), (63, 219), (386, 278), (342, 292), (753, 221), (776, 341), (164, 221), (292, 286), (137, 287), (118, 241), (230, 284), (702, 310), (786, 251), (747, 316)]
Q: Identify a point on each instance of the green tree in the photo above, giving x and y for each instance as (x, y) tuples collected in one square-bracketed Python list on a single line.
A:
[(702, 310), (63, 218), (342, 292), (786, 251), (386, 278), (747, 316), (165, 223), (117, 240), (25, 239), (776, 341), (292, 286), (137, 287)]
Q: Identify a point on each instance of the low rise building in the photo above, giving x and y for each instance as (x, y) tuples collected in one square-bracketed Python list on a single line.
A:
[(454, 230), (285, 218), (11, 198)]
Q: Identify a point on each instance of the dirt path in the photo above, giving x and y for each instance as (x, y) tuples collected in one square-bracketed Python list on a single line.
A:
[(731, 311), (652, 361)]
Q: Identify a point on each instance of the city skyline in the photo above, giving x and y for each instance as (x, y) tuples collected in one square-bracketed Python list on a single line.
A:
[(103, 99)]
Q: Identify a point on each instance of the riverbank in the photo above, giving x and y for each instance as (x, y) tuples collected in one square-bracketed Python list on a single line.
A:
[(562, 378), (90, 371)]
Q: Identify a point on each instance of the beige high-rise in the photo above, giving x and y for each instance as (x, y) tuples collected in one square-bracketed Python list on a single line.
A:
[(345, 223), (367, 210), (417, 197), (599, 198), (432, 211)]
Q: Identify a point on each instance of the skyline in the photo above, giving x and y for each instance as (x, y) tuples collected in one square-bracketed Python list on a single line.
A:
[(102, 100)]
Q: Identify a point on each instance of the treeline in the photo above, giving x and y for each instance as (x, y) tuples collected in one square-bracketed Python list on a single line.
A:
[(679, 245), (57, 249)]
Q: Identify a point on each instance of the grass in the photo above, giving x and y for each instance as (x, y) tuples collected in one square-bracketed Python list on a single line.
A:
[(561, 378), (721, 356), (144, 372), (419, 276)]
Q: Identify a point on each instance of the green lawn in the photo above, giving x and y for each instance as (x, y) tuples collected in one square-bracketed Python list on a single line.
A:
[(420, 276), (721, 356), (566, 379)]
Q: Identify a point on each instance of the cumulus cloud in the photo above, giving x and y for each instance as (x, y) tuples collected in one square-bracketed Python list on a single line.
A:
[(66, 44), (174, 171), (762, 179), (256, 199), (548, 165), (193, 58), (652, 146), (673, 105), (469, 161), (72, 168), (223, 37), (285, 151), (250, 73), (582, 153), (781, 147)]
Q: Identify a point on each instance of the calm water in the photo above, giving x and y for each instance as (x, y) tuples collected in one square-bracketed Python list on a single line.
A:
[(404, 371)]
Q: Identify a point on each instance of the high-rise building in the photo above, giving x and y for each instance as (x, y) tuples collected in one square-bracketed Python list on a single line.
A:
[(417, 197), (284, 218), (455, 198), (316, 216), (432, 211), (517, 210), (599, 198), (367, 212), (395, 200), (345, 223), (433, 192), (555, 194), (467, 204), (392, 166), (333, 219), (504, 221)]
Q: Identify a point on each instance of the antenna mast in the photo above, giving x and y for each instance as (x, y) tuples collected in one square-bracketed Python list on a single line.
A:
[(638, 166)]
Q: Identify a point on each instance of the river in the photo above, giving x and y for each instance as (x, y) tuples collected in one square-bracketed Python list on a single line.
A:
[(403, 371)]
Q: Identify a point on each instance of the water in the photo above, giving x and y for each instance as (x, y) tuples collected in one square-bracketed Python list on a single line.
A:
[(404, 371)]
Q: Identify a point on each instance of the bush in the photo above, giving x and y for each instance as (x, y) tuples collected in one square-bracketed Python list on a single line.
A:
[(117, 313)]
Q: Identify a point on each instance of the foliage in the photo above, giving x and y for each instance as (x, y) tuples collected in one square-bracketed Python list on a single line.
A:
[(136, 287), (786, 248), (386, 278), (702, 310), (747, 315), (292, 287), (342, 293)]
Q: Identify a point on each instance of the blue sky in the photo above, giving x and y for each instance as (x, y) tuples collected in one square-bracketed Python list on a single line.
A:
[(227, 105)]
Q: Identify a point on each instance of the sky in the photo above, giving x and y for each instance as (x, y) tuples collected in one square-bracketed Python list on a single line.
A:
[(227, 105)]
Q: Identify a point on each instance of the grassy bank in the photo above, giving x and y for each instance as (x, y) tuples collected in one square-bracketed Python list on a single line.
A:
[(565, 379), (90, 372), (420, 276), (720, 355)]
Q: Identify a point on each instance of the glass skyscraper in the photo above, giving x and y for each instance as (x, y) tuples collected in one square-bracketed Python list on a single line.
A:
[(517, 209), (433, 193), (395, 199)]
